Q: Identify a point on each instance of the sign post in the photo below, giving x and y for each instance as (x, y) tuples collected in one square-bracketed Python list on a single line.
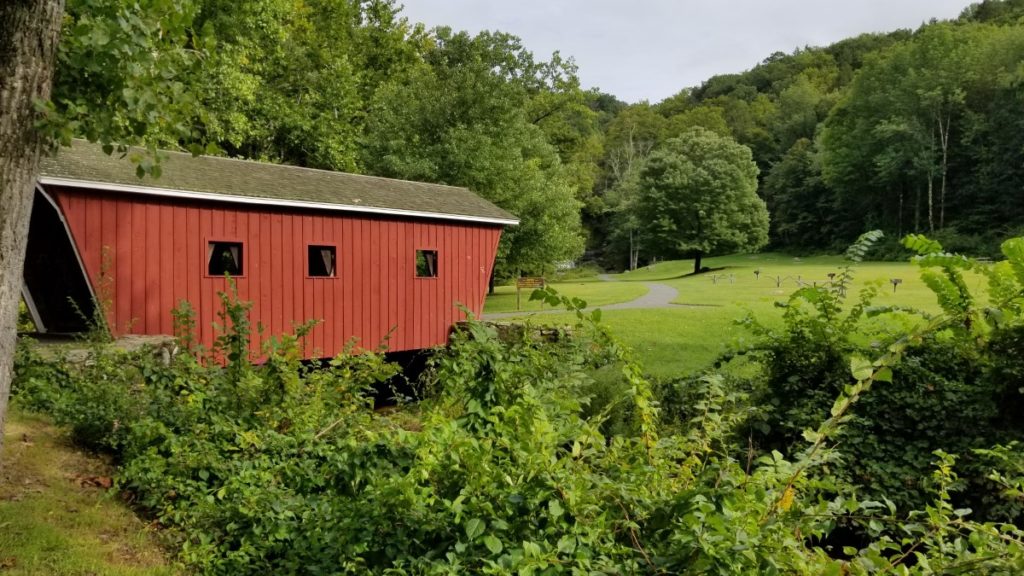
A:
[(529, 282)]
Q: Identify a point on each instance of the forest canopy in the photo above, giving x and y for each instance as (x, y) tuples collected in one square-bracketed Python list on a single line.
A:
[(907, 131)]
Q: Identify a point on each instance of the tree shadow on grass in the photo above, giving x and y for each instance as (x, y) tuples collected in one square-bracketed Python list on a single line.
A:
[(703, 271)]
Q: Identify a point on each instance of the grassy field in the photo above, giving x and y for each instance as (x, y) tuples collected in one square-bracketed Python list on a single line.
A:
[(734, 282), (676, 341), (595, 292), (56, 516), (669, 342)]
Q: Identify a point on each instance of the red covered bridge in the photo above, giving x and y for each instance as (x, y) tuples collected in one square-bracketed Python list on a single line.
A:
[(368, 256)]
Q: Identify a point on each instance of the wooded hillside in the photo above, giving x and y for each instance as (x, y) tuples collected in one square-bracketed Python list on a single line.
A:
[(906, 131)]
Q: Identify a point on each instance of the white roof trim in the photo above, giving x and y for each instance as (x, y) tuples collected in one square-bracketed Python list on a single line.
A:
[(168, 192)]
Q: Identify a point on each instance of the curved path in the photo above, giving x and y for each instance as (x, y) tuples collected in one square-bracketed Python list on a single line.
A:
[(658, 296)]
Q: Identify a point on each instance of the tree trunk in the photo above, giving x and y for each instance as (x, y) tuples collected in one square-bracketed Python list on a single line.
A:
[(931, 184), (917, 208), (944, 140), (634, 251), (899, 218), (699, 218), (931, 204), (629, 266), (29, 32)]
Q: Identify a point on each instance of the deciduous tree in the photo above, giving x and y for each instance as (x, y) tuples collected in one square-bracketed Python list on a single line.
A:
[(461, 118), (118, 67), (894, 130), (28, 48), (698, 196)]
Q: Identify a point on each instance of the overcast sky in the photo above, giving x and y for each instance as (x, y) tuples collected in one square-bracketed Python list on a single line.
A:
[(650, 49)]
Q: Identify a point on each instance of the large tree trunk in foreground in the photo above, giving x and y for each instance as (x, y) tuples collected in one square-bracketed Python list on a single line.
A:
[(29, 31), (696, 262)]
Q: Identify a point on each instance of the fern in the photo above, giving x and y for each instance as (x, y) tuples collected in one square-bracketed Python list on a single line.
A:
[(1013, 249), (943, 274), (921, 244), (863, 245)]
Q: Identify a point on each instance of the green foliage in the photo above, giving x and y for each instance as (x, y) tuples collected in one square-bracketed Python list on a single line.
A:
[(905, 131), (522, 463), (124, 76), (37, 380), (910, 144), (289, 81), (1002, 11), (1005, 375), (801, 205), (1009, 474), (806, 361), (339, 85), (698, 194), (25, 323), (945, 393), (463, 117)]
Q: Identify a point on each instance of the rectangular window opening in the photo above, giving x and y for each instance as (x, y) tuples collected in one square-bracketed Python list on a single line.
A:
[(426, 263), (224, 258), (322, 261)]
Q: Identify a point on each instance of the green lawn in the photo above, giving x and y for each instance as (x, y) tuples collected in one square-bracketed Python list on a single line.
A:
[(668, 342), (56, 518), (677, 341), (737, 285), (594, 292)]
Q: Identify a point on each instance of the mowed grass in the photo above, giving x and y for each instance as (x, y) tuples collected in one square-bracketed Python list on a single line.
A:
[(668, 342), (55, 516), (734, 283), (595, 292), (684, 340)]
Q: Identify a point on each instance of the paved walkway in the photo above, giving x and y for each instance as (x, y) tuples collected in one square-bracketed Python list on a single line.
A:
[(658, 296)]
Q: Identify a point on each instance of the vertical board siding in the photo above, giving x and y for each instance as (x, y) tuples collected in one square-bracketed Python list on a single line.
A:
[(157, 258)]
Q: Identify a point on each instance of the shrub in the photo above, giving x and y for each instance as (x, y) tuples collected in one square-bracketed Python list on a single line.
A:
[(946, 393), (37, 382), (25, 322), (284, 468), (1005, 375)]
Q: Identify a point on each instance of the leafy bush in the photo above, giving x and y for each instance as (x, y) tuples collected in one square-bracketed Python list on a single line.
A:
[(946, 393), (806, 363), (25, 322), (284, 468), (38, 382), (975, 245), (1005, 375), (889, 249), (936, 401)]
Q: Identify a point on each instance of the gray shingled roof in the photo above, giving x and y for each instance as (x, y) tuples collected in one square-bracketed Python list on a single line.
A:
[(244, 180)]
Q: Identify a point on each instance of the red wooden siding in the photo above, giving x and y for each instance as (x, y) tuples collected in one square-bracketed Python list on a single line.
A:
[(157, 257)]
